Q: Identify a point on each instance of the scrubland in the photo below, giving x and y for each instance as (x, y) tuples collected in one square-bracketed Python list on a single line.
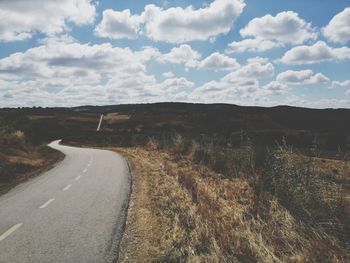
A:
[(214, 183), (20, 159), (198, 202)]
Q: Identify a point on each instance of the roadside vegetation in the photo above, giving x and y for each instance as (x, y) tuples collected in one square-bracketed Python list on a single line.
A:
[(20, 158), (207, 203)]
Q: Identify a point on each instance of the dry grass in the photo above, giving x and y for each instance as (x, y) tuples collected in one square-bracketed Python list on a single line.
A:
[(116, 117), (339, 169), (41, 117), (185, 212), (84, 118), (141, 241), (18, 165)]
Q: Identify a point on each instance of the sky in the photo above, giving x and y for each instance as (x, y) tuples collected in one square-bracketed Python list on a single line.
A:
[(245, 52)]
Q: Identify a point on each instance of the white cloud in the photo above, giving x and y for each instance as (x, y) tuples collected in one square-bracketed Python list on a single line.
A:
[(168, 75), (240, 86), (148, 53), (218, 61), (302, 77), (338, 29), (341, 84), (324, 103), (270, 32), (118, 25), (178, 25), (251, 45), (183, 54), (276, 87), (318, 52), (175, 24), (61, 73), (255, 69), (285, 27), (222, 92), (22, 19), (176, 84)]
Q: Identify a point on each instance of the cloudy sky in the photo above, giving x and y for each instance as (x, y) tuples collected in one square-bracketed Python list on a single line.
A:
[(246, 52)]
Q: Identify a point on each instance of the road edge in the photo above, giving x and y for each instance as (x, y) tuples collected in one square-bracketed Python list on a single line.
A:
[(113, 251)]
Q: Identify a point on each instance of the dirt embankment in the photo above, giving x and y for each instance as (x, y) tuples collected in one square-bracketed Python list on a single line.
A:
[(20, 164)]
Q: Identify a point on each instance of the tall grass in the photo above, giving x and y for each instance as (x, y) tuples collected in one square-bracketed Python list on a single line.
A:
[(308, 193)]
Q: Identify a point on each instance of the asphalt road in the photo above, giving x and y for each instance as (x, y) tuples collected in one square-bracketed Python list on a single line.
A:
[(72, 213)]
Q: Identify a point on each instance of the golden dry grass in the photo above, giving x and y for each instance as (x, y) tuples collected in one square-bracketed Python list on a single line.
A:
[(116, 117), (182, 212), (19, 165)]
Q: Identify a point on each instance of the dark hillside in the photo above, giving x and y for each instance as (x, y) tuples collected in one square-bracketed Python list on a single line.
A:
[(264, 126), (222, 122)]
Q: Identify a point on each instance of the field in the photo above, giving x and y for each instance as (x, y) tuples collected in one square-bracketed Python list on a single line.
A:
[(218, 183)]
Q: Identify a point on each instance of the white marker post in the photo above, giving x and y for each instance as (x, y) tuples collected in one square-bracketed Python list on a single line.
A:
[(99, 123)]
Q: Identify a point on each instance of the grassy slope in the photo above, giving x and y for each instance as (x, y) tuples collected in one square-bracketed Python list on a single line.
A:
[(22, 156), (181, 211), (19, 165)]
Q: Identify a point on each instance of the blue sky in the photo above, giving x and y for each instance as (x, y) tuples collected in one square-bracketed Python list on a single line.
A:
[(250, 52)]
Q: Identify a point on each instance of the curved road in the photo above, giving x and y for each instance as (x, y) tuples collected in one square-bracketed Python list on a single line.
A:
[(72, 213)]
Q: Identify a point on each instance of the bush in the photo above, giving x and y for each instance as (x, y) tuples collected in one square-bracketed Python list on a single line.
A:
[(15, 139)]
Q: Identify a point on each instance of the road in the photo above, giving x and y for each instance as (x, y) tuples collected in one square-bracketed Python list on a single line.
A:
[(72, 213), (99, 123)]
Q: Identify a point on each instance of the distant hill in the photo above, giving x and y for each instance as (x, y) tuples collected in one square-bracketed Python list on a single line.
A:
[(300, 126)]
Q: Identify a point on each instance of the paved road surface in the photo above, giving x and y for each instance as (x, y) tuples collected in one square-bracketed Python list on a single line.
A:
[(72, 213)]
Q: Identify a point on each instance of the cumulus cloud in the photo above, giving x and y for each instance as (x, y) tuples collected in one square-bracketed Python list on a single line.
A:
[(64, 73), (176, 84), (222, 92), (270, 32), (178, 25), (285, 27), (22, 19), (302, 77), (338, 29), (175, 24), (251, 45), (341, 84), (217, 61), (168, 75), (148, 53), (118, 25), (316, 53), (183, 54), (241, 85), (255, 68), (276, 87)]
